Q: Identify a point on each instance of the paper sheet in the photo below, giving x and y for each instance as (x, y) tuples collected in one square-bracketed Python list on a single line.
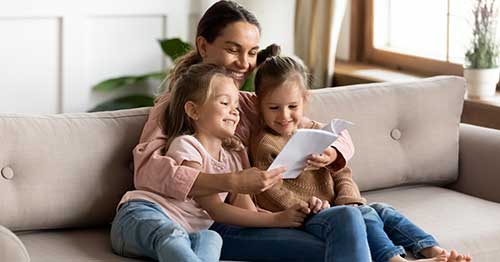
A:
[(304, 143)]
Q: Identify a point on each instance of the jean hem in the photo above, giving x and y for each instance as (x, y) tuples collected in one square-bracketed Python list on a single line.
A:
[(396, 251), (421, 245)]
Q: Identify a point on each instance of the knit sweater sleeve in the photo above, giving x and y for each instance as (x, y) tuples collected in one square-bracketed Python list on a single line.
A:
[(278, 197), (346, 190)]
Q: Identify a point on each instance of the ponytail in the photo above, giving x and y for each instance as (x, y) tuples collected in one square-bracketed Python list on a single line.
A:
[(182, 64), (269, 51)]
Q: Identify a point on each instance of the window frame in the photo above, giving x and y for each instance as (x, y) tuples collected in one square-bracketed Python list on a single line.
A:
[(399, 61)]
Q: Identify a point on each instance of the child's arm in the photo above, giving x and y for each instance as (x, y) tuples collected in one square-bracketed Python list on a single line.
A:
[(228, 214), (242, 200), (346, 190)]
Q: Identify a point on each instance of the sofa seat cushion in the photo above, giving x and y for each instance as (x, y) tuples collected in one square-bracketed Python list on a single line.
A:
[(77, 245), (458, 221)]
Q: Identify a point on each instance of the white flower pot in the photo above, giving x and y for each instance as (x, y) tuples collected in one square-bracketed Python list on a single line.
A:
[(481, 83)]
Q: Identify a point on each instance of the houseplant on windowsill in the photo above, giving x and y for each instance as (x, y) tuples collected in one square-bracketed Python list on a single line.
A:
[(481, 59)]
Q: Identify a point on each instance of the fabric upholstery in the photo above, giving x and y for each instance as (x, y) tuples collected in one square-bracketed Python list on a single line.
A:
[(404, 133), (77, 245), (11, 248), (458, 221), (66, 170), (479, 154)]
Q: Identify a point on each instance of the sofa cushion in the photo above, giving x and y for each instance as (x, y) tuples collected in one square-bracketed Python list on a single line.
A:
[(458, 221), (404, 133), (70, 245), (65, 170)]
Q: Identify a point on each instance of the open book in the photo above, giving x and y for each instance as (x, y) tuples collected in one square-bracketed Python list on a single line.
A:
[(304, 143)]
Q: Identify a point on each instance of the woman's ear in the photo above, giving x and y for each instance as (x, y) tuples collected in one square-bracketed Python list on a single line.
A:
[(201, 45), (191, 110)]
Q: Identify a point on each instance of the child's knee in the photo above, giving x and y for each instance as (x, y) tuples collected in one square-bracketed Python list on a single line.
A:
[(211, 237)]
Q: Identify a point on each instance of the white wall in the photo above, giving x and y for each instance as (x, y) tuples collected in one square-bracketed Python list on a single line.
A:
[(53, 51)]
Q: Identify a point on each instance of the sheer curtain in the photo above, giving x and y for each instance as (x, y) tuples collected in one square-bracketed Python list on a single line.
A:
[(317, 28)]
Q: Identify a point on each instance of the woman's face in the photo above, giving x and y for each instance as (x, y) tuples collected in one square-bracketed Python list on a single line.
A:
[(235, 48)]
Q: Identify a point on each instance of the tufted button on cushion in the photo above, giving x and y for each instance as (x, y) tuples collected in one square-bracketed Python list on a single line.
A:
[(395, 134), (7, 173)]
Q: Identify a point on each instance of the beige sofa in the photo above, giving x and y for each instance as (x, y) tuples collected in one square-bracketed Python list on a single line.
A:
[(62, 175)]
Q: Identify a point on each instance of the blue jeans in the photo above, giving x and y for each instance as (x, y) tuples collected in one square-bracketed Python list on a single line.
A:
[(334, 234), (390, 233), (142, 229)]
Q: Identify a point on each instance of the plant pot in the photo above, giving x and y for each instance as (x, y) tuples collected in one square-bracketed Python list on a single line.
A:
[(481, 83)]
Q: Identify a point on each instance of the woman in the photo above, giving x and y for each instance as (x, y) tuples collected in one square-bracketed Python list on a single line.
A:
[(229, 35)]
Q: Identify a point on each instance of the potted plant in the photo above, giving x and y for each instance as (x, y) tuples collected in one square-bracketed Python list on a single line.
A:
[(481, 59), (172, 48)]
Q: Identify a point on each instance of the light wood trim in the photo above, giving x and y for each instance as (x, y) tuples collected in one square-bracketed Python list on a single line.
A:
[(357, 36)]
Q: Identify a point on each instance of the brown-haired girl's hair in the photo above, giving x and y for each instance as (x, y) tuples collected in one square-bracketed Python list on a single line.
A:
[(275, 70), (210, 26), (192, 85)]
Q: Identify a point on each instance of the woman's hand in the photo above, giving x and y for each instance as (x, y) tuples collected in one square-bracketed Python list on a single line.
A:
[(254, 180), (316, 204), (292, 217), (316, 161)]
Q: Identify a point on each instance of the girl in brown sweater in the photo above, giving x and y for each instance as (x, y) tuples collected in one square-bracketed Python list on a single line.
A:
[(281, 85)]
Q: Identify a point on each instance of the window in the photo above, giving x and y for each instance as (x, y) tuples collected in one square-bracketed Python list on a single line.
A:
[(428, 36)]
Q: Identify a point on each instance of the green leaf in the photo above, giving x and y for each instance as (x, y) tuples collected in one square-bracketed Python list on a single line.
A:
[(126, 102), (120, 82), (174, 47), (248, 84)]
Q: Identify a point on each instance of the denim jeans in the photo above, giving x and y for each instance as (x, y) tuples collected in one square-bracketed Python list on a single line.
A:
[(142, 229), (390, 233), (334, 234)]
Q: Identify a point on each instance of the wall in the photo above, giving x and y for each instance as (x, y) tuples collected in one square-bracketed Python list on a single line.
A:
[(53, 51)]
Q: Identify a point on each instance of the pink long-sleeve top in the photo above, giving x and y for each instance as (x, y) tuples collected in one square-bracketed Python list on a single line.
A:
[(188, 213), (156, 172)]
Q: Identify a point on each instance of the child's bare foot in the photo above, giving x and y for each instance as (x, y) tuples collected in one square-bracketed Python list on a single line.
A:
[(433, 251), (456, 257), (439, 258)]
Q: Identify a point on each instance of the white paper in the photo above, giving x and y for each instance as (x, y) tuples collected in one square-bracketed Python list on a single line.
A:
[(304, 143), (337, 125)]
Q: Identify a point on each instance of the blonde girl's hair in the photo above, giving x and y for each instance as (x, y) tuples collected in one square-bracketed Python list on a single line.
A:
[(193, 85)]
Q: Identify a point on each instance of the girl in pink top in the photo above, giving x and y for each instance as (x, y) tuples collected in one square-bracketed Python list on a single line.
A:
[(228, 35), (201, 117)]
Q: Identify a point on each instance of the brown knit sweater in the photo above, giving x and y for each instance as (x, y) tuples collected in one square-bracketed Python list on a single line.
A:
[(327, 183)]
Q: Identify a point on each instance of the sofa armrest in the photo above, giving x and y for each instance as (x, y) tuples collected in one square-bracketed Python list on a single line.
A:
[(479, 162), (11, 248)]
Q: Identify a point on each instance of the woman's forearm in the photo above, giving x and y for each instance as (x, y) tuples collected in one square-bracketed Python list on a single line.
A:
[(251, 180)]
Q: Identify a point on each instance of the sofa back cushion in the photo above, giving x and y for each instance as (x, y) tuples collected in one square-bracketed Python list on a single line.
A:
[(67, 170), (404, 133)]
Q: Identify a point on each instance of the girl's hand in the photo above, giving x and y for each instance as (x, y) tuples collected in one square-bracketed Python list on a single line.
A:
[(292, 217), (254, 180), (316, 204), (316, 161)]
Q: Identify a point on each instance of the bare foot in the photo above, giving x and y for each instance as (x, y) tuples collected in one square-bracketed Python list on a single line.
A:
[(456, 257), (439, 258), (433, 251)]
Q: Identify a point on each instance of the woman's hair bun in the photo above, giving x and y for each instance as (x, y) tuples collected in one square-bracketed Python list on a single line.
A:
[(269, 51)]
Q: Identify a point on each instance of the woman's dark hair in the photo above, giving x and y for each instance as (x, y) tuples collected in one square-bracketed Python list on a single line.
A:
[(210, 26)]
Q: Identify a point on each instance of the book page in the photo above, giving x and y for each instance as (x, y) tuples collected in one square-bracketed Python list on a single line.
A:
[(300, 146)]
